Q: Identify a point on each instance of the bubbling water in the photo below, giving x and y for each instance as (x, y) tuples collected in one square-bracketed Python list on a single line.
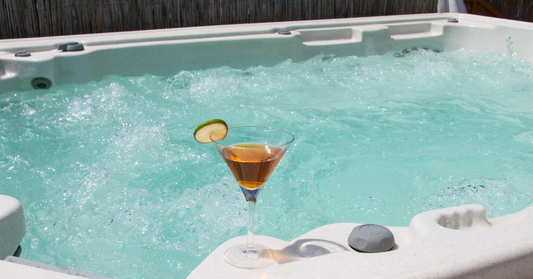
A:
[(112, 181)]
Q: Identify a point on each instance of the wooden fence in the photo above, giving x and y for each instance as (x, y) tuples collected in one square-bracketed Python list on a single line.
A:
[(37, 18), (511, 9)]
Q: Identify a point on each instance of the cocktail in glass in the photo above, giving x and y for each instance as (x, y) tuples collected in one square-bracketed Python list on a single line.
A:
[(252, 153)]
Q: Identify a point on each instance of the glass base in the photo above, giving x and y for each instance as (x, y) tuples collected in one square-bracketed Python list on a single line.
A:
[(241, 256)]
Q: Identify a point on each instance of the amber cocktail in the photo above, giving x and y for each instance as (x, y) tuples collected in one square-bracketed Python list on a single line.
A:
[(252, 153)]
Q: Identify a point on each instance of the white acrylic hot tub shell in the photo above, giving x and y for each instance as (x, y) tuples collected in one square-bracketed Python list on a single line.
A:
[(12, 225), (167, 51), (457, 242), (448, 243)]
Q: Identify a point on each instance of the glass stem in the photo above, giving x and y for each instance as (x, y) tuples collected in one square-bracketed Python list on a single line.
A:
[(251, 216)]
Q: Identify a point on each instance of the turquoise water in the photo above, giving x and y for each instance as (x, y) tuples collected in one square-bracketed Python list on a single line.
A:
[(113, 183)]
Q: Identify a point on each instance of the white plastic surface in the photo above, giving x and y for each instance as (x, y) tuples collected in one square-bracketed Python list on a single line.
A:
[(456, 242), (12, 225)]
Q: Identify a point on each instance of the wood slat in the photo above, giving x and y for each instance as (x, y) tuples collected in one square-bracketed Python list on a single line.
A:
[(39, 18)]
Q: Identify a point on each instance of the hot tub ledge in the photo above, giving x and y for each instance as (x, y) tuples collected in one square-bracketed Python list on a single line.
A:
[(12, 225)]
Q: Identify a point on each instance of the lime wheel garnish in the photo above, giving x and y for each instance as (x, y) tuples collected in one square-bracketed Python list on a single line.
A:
[(214, 129)]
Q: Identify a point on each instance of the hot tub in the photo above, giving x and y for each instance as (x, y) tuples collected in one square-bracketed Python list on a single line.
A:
[(446, 243)]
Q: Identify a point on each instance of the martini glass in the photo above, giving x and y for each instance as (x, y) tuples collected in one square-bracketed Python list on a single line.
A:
[(252, 153)]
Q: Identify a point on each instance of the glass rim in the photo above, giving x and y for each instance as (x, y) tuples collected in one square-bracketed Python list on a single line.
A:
[(252, 126)]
